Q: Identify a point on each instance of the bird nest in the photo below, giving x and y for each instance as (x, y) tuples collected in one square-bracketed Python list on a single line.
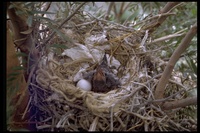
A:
[(62, 106)]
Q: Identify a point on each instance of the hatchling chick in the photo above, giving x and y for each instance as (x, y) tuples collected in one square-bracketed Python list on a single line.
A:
[(102, 79)]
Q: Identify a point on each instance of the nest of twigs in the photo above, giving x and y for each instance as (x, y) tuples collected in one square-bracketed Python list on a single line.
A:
[(61, 105)]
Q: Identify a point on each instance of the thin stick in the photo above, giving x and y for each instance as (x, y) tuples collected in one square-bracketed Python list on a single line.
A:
[(94, 124), (111, 118), (60, 26), (26, 108), (165, 38)]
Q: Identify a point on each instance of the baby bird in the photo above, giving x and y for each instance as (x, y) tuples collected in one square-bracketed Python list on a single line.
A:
[(103, 79), (99, 81)]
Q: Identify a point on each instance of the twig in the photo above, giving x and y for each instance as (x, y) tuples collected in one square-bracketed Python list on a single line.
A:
[(38, 87), (109, 9), (161, 19), (25, 111), (179, 84), (68, 18), (94, 124), (154, 17), (106, 21), (144, 40), (169, 6), (43, 126), (145, 87), (175, 6), (138, 115), (159, 100), (120, 121), (47, 6), (75, 105), (180, 103), (111, 118), (165, 38), (178, 125)]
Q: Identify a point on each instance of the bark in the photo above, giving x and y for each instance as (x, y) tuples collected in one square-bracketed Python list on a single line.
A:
[(180, 103), (22, 41), (157, 22), (19, 99)]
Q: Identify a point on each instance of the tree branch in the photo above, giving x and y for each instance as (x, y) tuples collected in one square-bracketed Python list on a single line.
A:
[(169, 6), (165, 38), (180, 103), (157, 22), (174, 58)]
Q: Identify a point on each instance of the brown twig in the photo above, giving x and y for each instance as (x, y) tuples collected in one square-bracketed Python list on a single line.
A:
[(165, 38), (157, 22), (109, 9), (154, 17), (180, 103)]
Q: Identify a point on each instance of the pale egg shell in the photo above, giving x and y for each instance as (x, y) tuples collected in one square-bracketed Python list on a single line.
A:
[(84, 85)]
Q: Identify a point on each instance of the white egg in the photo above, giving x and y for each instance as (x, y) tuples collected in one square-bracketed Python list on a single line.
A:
[(84, 85)]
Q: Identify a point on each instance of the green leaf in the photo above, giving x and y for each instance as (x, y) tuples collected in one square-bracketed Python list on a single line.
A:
[(29, 21), (191, 64), (18, 68), (19, 12), (27, 31), (28, 4), (61, 46), (41, 12), (57, 51), (11, 6), (20, 54), (93, 3), (11, 79), (47, 19), (194, 11), (62, 35), (14, 74)]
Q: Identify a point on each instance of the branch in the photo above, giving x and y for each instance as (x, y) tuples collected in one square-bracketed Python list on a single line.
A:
[(169, 6), (165, 38), (154, 17), (180, 103), (109, 10), (157, 22), (174, 58)]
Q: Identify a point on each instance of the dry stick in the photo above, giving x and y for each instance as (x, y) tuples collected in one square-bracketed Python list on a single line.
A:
[(94, 124), (47, 6), (165, 38), (167, 98), (67, 19), (154, 17), (169, 6), (111, 22), (28, 82), (109, 10), (27, 107), (180, 103), (111, 118), (174, 58)]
